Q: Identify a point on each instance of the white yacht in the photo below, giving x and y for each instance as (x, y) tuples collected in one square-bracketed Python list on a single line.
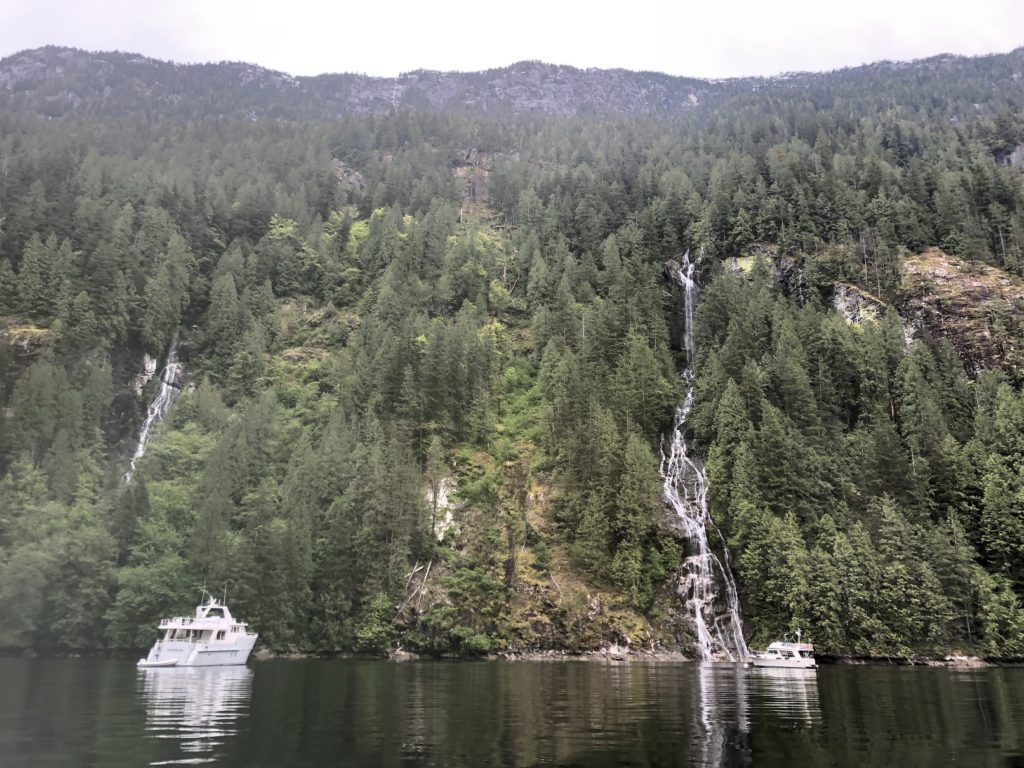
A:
[(211, 638), (787, 654)]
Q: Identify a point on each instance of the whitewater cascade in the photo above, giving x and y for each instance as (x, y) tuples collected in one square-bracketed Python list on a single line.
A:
[(705, 580), (166, 394)]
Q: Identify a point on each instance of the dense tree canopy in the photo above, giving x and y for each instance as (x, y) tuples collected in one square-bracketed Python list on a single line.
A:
[(354, 347)]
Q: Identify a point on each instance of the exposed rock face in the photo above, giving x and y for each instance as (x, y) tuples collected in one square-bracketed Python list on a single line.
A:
[(21, 345), (785, 269), (978, 309), (1012, 158), (26, 340), (444, 505), (856, 305), (473, 168), (349, 178)]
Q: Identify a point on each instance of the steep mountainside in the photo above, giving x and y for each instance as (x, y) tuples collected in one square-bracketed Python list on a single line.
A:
[(457, 364)]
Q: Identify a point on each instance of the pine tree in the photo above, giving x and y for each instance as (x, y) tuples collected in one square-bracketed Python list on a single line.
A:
[(8, 287), (34, 291), (635, 502), (77, 324), (790, 384), (224, 320), (1002, 518), (166, 295), (774, 569), (733, 429)]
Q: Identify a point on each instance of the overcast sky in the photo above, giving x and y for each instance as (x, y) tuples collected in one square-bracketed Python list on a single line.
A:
[(710, 38)]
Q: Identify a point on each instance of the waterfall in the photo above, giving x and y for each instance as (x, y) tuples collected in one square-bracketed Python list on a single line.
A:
[(166, 394), (705, 580)]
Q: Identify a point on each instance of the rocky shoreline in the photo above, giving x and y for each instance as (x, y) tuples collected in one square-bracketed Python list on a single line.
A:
[(624, 654), (608, 654), (919, 661)]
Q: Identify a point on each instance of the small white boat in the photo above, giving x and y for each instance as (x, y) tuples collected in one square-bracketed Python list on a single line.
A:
[(147, 663), (211, 638), (787, 654)]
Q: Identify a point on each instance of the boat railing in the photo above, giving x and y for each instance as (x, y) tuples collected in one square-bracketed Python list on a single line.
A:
[(204, 623)]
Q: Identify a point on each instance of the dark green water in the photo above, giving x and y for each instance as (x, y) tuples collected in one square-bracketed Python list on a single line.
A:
[(363, 713)]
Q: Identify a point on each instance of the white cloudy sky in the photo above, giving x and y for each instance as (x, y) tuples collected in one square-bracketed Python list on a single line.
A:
[(710, 38)]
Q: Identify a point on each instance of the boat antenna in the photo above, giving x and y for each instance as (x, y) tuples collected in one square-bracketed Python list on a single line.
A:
[(224, 600), (202, 592)]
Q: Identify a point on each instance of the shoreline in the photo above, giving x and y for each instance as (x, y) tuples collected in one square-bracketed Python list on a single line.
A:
[(609, 655), (950, 660)]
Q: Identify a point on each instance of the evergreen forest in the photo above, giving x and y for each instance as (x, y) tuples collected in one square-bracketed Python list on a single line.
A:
[(431, 358)]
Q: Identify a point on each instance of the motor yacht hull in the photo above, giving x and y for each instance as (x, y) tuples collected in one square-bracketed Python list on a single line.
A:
[(783, 663), (169, 653)]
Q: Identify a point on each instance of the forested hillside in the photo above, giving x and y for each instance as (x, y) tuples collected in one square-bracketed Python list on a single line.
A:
[(430, 356)]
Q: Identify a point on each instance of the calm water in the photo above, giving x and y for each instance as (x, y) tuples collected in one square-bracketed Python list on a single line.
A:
[(363, 713)]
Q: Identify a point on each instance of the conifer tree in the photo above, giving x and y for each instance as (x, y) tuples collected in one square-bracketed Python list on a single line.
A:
[(8, 287)]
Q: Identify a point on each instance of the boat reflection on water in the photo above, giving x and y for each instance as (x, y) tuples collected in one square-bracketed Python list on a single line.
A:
[(194, 710), (735, 706), (789, 695)]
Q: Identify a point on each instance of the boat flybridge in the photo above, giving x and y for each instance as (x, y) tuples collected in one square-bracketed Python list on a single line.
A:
[(786, 654), (211, 638)]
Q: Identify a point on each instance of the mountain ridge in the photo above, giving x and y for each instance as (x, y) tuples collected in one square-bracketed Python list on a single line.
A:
[(55, 81)]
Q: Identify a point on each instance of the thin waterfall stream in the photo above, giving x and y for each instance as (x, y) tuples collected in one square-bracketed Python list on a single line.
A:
[(705, 581), (166, 394)]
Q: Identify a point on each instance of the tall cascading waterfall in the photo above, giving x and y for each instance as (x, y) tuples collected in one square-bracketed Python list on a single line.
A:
[(166, 394), (705, 581)]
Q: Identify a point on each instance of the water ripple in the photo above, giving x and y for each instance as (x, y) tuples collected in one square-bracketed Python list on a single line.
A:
[(196, 710)]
